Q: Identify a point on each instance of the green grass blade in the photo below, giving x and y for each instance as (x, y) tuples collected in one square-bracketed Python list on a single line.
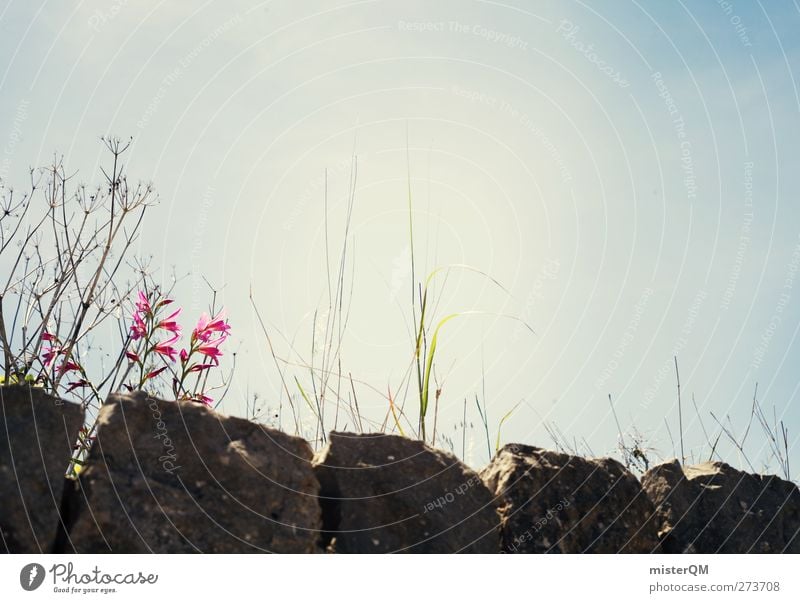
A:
[(394, 416), (463, 267), (317, 413), (429, 361), (500, 426)]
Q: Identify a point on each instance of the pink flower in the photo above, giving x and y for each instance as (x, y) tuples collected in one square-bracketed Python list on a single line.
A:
[(169, 323), (211, 349), (69, 366), (138, 328), (165, 348), (132, 356), (48, 336), (49, 355), (207, 326), (143, 305), (202, 323), (203, 399), (156, 372), (76, 384)]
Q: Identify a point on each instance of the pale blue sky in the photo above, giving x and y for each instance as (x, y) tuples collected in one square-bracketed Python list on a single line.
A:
[(542, 151)]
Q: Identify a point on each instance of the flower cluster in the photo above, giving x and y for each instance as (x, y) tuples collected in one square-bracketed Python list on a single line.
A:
[(207, 337), (51, 351), (158, 339), (145, 329)]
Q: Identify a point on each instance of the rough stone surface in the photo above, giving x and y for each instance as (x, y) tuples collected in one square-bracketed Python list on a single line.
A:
[(171, 477), (176, 477), (557, 503), (714, 508), (37, 433), (389, 494)]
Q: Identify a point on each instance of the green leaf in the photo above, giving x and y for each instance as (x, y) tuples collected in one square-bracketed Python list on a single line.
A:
[(500, 426)]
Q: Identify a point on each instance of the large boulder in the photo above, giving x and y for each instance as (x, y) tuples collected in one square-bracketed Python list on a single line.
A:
[(388, 494), (714, 508), (557, 503), (176, 477), (37, 435)]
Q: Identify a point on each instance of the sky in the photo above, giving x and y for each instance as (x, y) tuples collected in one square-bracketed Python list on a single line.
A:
[(621, 177)]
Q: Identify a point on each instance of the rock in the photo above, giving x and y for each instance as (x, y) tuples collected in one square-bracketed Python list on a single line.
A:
[(557, 503), (714, 508), (176, 477), (37, 434), (388, 494)]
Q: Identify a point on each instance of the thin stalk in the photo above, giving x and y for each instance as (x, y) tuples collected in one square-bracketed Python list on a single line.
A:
[(680, 411)]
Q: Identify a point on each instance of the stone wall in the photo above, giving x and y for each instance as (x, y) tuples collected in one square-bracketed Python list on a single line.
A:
[(167, 477)]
